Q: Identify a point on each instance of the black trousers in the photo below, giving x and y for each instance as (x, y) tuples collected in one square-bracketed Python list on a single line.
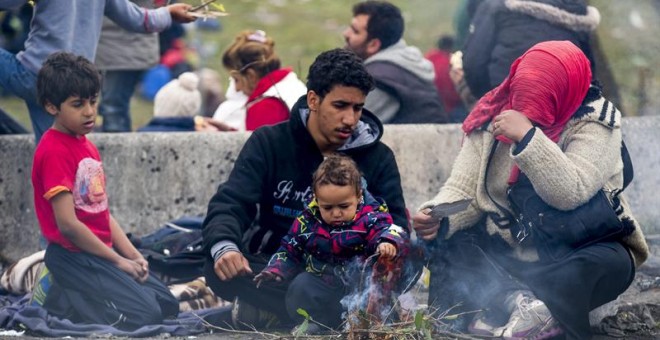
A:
[(88, 289), (472, 269), (320, 299), (268, 296)]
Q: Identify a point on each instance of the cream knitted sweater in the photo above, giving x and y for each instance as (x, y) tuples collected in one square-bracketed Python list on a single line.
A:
[(564, 174)]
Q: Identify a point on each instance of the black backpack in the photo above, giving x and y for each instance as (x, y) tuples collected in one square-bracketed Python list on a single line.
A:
[(175, 251)]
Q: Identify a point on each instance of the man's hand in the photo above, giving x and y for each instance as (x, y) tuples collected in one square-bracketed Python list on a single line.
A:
[(387, 250), (230, 265), (425, 225), (511, 124), (266, 276), (179, 12)]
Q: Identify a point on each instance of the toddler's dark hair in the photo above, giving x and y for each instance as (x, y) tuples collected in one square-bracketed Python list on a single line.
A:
[(339, 170), (63, 75)]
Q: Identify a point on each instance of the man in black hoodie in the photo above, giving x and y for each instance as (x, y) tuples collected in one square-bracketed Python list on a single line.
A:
[(272, 178)]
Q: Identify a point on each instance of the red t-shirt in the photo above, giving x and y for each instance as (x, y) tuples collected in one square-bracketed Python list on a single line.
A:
[(66, 163)]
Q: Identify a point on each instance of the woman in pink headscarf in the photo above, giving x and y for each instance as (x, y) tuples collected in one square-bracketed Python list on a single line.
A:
[(558, 130)]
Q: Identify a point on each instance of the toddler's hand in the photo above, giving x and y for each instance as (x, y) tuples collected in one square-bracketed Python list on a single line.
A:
[(387, 250), (266, 276)]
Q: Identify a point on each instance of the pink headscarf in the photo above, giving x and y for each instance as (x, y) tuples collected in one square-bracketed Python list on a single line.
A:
[(547, 84)]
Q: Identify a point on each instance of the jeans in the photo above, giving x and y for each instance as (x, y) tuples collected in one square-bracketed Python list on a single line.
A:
[(21, 82), (116, 93)]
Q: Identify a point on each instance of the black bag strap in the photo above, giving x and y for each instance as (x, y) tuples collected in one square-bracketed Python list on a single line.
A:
[(506, 222), (501, 222), (628, 171)]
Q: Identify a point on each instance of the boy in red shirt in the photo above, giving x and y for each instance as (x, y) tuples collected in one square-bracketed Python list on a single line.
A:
[(98, 275)]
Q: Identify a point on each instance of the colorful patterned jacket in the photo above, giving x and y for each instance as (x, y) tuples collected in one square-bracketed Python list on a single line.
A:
[(316, 247)]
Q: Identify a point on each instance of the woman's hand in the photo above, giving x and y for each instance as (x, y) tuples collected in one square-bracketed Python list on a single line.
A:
[(425, 225), (266, 276), (387, 250), (511, 124)]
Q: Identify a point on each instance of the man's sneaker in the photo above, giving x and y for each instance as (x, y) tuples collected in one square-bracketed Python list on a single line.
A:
[(247, 316), (530, 320), (482, 325)]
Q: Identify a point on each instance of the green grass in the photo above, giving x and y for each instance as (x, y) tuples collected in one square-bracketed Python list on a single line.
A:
[(304, 28)]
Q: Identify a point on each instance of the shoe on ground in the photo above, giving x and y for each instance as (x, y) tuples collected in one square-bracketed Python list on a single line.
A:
[(483, 325), (531, 319), (248, 317)]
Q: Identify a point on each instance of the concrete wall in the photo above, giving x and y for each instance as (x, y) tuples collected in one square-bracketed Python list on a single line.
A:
[(153, 178)]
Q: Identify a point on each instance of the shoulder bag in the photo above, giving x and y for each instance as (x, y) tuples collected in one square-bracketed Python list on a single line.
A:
[(558, 233)]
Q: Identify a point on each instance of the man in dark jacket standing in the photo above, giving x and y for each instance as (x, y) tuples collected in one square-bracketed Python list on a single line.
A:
[(273, 173), (405, 92)]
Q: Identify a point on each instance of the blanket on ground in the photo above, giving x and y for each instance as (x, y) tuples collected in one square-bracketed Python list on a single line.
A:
[(22, 316)]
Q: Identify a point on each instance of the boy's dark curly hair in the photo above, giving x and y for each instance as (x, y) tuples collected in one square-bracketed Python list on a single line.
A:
[(63, 75), (385, 21), (340, 170), (338, 67)]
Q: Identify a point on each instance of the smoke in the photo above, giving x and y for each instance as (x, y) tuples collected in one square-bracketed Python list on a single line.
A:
[(374, 291)]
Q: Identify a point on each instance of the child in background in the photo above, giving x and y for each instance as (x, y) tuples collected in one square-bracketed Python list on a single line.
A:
[(98, 275), (341, 223), (177, 107)]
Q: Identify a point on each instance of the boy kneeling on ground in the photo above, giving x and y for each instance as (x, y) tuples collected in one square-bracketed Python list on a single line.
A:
[(98, 275)]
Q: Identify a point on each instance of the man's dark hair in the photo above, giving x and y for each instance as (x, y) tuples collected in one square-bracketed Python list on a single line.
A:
[(338, 67), (385, 21), (64, 75)]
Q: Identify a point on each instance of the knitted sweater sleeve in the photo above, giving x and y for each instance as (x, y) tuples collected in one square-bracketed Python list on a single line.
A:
[(462, 184), (569, 178)]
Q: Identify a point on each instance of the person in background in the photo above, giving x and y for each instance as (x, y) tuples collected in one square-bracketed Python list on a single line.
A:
[(177, 108), (232, 110), (502, 30), (272, 176), (123, 57), (255, 68), (58, 26), (98, 275), (547, 123), (212, 91), (404, 92), (440, 57)]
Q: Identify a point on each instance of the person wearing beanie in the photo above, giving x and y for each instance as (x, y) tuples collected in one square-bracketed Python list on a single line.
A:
[(176, 106)]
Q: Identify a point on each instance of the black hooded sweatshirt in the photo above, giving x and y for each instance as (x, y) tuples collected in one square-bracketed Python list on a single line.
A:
[(272, 176)]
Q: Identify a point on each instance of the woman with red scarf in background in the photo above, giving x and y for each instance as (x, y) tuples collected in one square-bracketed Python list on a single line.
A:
[(558, 130)]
